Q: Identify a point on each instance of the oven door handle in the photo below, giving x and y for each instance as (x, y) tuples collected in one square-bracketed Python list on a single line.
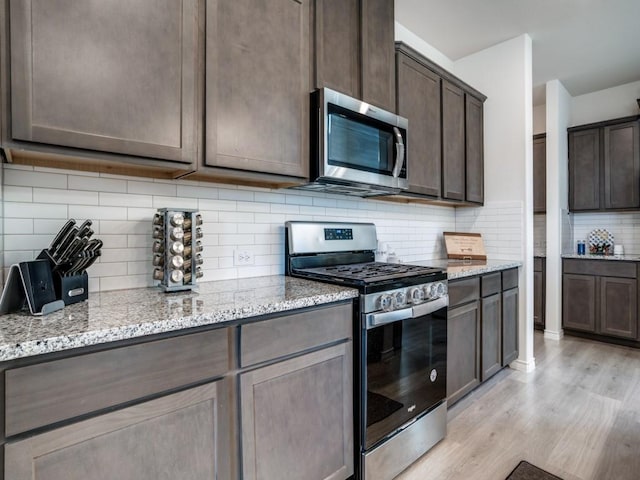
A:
[(430, 307), (377, 319)]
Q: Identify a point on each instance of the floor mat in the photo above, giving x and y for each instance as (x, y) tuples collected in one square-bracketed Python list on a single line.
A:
[(526, 471)]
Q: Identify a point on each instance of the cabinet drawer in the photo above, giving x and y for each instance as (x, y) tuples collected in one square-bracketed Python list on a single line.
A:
[(509, 279), (602, 268), (491, 283), (464, 291), (269, 339), (50, 392)]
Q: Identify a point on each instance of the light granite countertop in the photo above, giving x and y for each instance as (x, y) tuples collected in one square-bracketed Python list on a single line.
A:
[(465, 268), (623, 258), (124, 314)]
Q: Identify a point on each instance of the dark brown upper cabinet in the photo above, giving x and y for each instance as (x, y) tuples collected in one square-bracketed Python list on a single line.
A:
[(419, 102), (604, 165), (118, 78), (257, 91), (354, 49), (474, 152), (540, 173), (446, 135)]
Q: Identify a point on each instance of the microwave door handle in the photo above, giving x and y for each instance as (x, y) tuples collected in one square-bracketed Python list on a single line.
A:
[(399, 153)]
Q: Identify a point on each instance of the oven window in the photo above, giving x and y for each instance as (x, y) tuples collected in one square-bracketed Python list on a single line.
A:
[(406, 372), (359, 143)]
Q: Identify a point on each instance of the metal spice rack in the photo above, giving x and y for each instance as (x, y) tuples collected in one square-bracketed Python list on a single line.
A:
[(177, 248)]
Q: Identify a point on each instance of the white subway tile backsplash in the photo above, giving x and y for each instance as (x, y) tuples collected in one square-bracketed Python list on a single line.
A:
[(193, 191), (82, 212), (173, 202), (34, 210), (71, 197), (234, 194), (26, 242), (152, 188), (23, 226), (234, 218), (125, 200), (97, 184), (17, 194), (26, 178)]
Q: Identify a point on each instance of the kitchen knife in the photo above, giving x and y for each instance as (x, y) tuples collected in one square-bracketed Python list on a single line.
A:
[(85, 229), (65, 243), (60, 235), (74, 250)]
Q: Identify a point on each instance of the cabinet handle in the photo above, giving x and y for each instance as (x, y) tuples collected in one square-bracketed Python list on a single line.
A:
[(399, 153)]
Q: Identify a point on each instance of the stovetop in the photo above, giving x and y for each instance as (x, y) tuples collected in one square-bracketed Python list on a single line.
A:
[(370, 272)]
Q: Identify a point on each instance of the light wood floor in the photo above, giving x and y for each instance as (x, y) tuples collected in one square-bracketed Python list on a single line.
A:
[(577, 416)]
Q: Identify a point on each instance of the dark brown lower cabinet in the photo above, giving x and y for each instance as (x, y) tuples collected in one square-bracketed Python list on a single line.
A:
[(600, 297), (491, 335), (579, 302), (463, 350), (297, 417), (619, 307), (482, 329), (176, 436), (189, 407)]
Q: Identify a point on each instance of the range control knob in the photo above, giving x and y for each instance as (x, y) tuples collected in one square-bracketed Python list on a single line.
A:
[(430, 291), (416, 295), (401, 298), (387, 302), (441, 289)]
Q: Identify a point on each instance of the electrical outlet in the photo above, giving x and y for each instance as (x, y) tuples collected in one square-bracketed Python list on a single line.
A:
[(243, 257)]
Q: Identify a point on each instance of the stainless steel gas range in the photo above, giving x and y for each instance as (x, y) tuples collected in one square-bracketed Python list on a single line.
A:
[(400, 341)]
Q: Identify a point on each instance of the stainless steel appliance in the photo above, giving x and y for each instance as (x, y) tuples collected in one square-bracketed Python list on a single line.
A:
[(400, 341), (356, 148)]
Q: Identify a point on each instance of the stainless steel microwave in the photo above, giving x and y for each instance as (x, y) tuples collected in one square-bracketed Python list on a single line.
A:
[(356, 148)]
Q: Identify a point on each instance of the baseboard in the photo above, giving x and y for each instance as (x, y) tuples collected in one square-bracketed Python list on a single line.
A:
[(551, 335), (523, 366)]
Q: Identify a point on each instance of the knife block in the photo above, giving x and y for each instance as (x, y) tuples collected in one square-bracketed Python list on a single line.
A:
[(72, 289)]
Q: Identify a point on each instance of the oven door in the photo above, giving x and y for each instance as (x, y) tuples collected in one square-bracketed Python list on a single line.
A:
[(405, 375)]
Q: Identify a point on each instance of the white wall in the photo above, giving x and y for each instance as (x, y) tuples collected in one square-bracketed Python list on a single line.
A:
[(605, 104), (558, 109), (402, 34), (539, 119), (504, 74)]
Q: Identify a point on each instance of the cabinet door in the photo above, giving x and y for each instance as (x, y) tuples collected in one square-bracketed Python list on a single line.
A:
[(584, 169), (579, 302), (539, 174), (463, 351), (538, 300), (297, 417), (491, 335), (619, 307), (474, 173), (337, 45), (258, 85), (453, 142), (177, 436), (621, 166), (419, 102), (378, 54), (509, 326), (115, 76)]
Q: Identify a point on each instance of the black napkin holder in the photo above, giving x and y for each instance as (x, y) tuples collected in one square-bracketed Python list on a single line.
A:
[(69, 289)]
